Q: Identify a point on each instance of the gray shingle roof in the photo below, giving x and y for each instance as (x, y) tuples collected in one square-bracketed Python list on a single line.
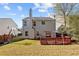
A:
[(39, 18), (6, 20)]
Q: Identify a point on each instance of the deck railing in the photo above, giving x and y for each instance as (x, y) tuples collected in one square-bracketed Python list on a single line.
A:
[(55, 41)]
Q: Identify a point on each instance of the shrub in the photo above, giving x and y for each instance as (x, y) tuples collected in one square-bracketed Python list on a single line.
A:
[(17, 39)]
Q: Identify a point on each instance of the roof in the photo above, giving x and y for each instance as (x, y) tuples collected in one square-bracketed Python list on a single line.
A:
[(39, 18), (6, 20)]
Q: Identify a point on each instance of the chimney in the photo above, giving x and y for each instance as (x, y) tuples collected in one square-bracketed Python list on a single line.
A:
[(30, 13)]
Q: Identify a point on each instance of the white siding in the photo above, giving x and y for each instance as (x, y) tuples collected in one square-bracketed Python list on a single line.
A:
[(48, 26), (28, 28), (59, 21), (6, 24)]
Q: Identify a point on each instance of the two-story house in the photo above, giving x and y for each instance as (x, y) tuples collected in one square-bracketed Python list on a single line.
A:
[(35, 27)]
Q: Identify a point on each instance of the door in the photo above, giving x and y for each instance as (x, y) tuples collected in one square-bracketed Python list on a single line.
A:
[(47, 33)]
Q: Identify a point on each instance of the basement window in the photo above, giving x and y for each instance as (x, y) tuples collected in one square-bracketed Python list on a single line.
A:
[(26, 33)]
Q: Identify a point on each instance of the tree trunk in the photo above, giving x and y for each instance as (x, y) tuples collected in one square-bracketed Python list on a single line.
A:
[(64, 28), (65, 21)]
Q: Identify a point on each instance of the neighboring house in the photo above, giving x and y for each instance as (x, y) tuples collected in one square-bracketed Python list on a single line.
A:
[(59, 20), (34, 27), (7, 25)]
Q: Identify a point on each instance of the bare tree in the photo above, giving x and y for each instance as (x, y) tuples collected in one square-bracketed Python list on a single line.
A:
[(65, 9)]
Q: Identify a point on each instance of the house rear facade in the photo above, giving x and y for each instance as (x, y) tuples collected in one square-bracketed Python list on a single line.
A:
[(35, 27)]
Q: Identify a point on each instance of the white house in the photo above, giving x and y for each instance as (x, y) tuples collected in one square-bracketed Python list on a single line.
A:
[(7, 25), (34, 27), (59, 20)]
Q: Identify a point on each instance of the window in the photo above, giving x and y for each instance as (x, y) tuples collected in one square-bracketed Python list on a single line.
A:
[(48, 33), (25, 23), (34, 23), (37, 33), (8, 27), (19, 34), (43, 22), (26, 33)]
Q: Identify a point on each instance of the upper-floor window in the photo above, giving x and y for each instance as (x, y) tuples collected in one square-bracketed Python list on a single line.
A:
[(34, 23), (25, 23), (43, 22)]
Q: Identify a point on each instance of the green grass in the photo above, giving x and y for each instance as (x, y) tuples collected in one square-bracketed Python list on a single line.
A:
[(33, 48)]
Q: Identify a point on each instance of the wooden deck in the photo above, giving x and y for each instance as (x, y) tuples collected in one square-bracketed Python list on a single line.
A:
[(55, 41)]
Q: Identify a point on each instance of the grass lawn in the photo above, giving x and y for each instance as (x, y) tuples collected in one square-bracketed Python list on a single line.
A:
[(33, 48)]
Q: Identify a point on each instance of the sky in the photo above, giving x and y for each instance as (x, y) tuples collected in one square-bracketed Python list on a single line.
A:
[(18, 11)]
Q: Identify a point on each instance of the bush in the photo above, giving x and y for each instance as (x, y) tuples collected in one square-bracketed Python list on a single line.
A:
[(17, 39)]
